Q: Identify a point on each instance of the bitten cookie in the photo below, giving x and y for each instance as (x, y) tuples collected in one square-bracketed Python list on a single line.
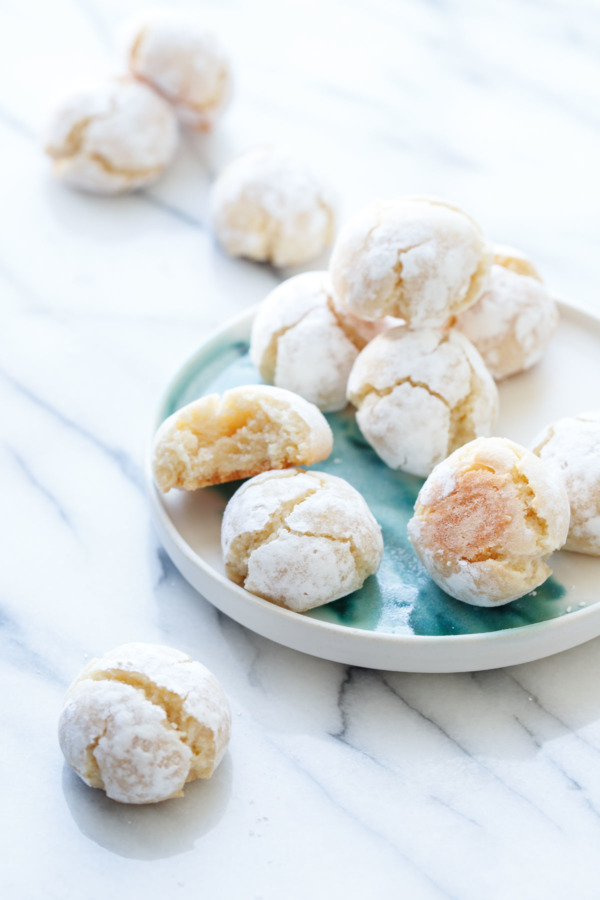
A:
[(269, 205), (302, 341), (573, 446), (176, 55), (248, 430), (486, 519), (421, 394), (142, 721), (511, 324), (414, 258), (112, 137), (299, 539)]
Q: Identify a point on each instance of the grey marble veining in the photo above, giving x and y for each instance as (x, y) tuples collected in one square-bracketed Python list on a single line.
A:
[(340, 782)]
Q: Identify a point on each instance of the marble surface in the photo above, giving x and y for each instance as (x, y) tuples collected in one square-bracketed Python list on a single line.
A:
[(339, 782)]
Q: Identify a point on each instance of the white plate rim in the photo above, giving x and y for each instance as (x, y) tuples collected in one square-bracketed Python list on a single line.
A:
[(343, 643)]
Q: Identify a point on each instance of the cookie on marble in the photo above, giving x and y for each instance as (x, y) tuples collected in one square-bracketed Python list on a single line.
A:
[(486, 519), (303, 342), (250, 429), (184, 61), (299, 538), (414, 258), (513, 321), (111, 137), (421, 394), (142, 721), (268, 205), (573, 446)]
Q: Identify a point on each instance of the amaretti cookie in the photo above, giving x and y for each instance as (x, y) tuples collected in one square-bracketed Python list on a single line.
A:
[(269, 205), (513, 321), (414, 258), (299, 538), (302, 341), (573, 446), (486, 519), (421, 394), (111, 137), (248, 430), (142, 721), (184, 61)]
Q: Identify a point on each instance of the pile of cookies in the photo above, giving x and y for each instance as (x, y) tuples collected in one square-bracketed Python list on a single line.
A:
[(413, 324)]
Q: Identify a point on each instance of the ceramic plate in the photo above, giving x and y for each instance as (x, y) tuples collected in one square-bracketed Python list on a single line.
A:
[(400, 619)]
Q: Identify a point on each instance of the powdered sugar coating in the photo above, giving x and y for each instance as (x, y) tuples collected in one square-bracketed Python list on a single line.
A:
[(299, 538), (142, 721), (486, 519), (301, 341), (573, 446), (415, 258), (111, 137), (269, 205), (513, 321), (420, 395), (184, 61)]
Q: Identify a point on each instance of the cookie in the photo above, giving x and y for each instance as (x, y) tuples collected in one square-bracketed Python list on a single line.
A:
[(142, 721), (513, 321), (111, 137), (248, 430), (184, 61), (421, 394), (268, 205), (299, 538), (573, 446), (303, 342), (414, 258), (486, 519)]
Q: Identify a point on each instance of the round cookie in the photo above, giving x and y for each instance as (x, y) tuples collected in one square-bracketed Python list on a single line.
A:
[(299, 538), (513, 321), (268, 205), (414, 258), (112, 137), (248, 430), (573, 445), (176, 55), (486, 519), (142, 721), (421, 394), (301, 341)]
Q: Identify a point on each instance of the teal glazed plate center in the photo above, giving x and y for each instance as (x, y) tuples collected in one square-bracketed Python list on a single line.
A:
[(399, 619)]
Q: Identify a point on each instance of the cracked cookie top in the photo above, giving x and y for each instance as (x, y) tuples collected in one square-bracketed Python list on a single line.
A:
[(421, 394), (414, 258), (112, 137), (142, 721), (300, 538), (486, 519)]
